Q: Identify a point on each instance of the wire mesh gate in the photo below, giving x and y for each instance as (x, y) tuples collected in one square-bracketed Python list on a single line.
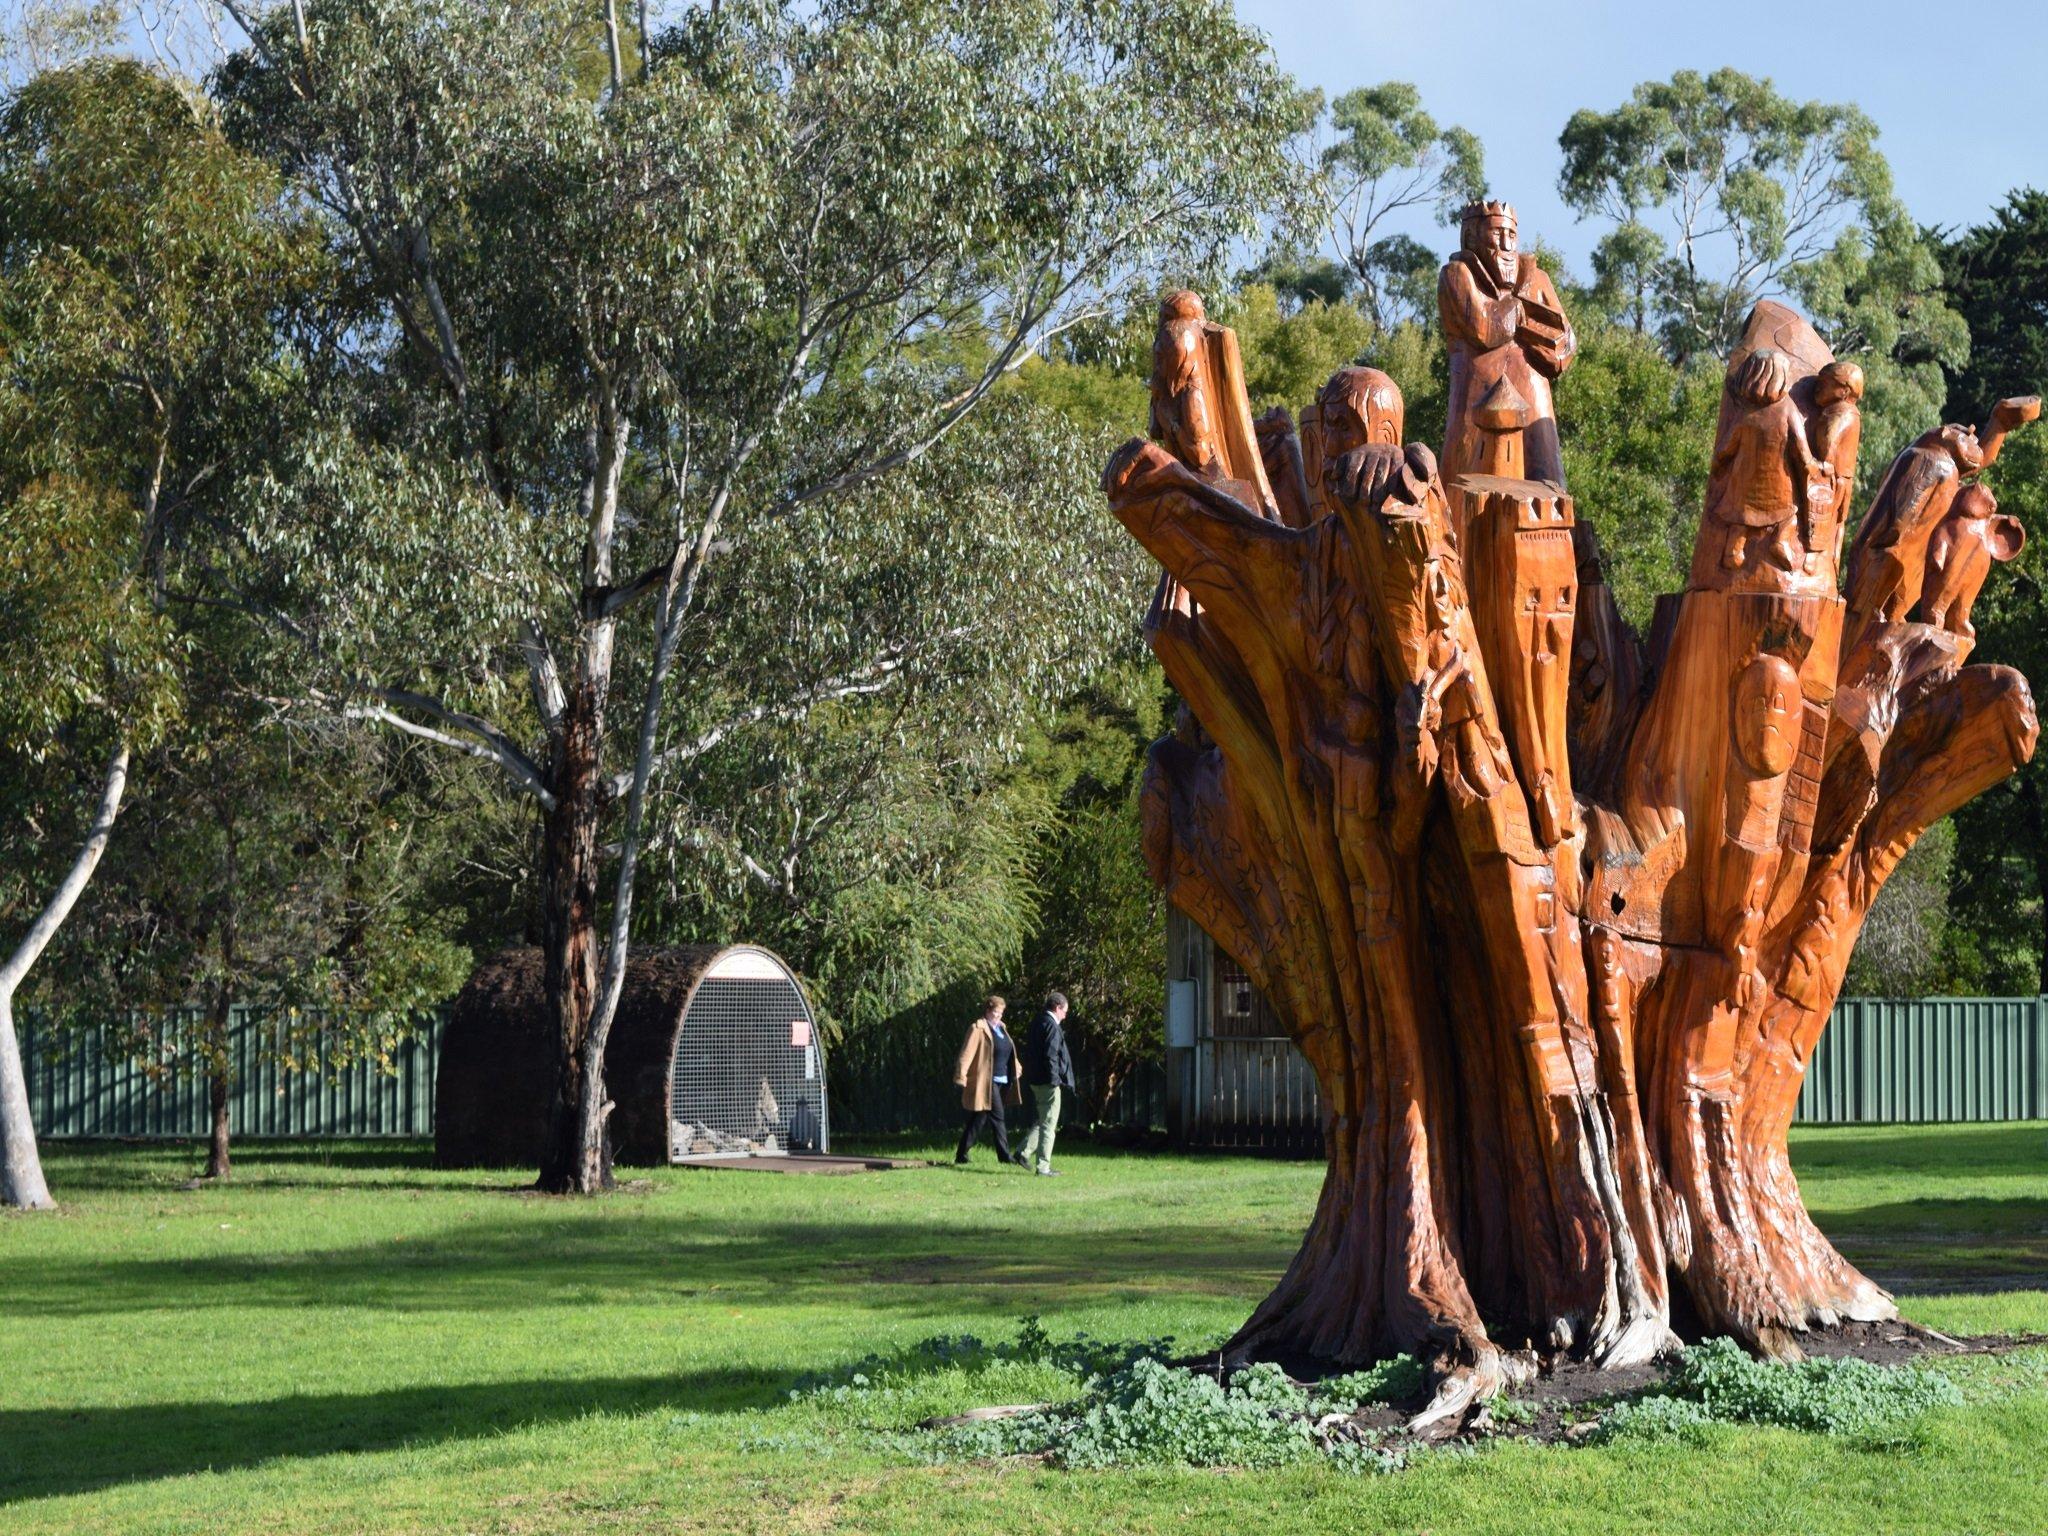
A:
[(748, 1078)]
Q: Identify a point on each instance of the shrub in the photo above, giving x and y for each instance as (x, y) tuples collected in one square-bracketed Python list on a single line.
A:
[(1512, 1410), (1155, 1415), (1391, 1381), (1150, 1413), (1719, 1383)]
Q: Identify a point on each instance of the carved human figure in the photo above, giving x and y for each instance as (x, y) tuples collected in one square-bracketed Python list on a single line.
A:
[(1502, 320), (1960, 554), (1355, 406), (1813, 972), (1199, 413), (1759, 485), (1286, 472), (1837, 433), (1183, 413)]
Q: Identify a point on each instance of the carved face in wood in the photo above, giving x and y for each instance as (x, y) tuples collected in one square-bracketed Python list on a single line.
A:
[(1961, 445), (1836, 382), (1767, 715), (1356, 407), (1547, 610), (1488, 231)]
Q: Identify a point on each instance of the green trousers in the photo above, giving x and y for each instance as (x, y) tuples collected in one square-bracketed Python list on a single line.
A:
[(1038, 1145)]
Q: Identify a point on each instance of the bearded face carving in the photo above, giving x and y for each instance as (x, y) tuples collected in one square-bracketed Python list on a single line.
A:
[(1490, 235)]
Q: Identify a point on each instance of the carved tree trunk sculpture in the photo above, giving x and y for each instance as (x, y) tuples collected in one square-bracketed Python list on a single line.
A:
[(1557, 918)]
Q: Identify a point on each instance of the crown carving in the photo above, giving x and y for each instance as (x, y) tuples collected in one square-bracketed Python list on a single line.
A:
[(1483, 212)]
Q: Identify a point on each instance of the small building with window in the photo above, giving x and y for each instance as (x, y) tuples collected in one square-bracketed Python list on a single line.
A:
[(1235, 1081)]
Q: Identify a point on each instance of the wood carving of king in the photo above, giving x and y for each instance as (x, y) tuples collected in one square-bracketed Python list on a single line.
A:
[(1503, 322)]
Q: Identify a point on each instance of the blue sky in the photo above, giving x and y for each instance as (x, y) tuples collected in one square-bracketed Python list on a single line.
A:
[(1960, 92)]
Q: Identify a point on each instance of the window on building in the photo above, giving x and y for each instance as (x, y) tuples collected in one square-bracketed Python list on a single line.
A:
[(1237, 1008)]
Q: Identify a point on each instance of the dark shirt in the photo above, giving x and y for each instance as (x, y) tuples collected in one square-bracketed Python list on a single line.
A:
[(1006, 1051), (1046, 1062)]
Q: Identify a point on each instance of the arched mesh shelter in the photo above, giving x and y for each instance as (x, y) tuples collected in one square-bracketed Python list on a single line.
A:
[(714, 1052)]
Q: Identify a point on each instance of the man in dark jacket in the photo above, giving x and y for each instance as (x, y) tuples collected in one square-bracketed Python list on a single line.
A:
[(1049, 1071)]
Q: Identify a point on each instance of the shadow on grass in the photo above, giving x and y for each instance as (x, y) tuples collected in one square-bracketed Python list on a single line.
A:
[(1951, 1151), (48, 1452), (1952, 1247), (150, 1165), (549, 1256)]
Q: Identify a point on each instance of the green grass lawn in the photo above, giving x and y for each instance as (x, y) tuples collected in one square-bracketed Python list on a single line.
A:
[(348, 1340)]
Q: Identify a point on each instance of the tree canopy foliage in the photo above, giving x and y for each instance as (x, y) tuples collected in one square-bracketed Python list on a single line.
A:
[(146, 270), (1385, 155), (670, 382), (1758, 195)]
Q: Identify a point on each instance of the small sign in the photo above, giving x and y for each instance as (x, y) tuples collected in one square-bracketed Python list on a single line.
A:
[(1180, 1015), (799, 1033), (810, 1062)]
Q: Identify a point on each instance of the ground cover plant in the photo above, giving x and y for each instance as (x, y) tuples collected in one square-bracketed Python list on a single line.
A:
[(345, 1339), (1148, 1410)]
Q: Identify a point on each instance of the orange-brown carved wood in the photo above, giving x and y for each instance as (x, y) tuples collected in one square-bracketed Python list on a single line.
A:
[(1557, 918)]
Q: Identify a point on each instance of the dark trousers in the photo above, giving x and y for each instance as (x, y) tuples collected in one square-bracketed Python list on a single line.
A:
[(970, 1133)]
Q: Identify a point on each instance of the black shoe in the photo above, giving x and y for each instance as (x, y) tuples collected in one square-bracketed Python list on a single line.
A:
[(959, 1162)]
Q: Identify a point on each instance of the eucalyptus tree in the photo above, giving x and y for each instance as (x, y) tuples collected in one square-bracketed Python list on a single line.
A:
[(1385, 158), (1759, 195), (1390, 156), (1998, 277), (51, 34), (145, 266), (607, 334), (294, 866)]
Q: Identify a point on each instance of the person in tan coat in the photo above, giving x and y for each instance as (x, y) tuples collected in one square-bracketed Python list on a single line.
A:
[(988, 1077)]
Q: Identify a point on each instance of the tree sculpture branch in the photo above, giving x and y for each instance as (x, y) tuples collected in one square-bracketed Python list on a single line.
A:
[(1557, 921)]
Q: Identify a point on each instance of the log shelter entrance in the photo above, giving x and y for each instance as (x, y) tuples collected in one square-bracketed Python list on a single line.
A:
[(714, 1053), (748, 1074)]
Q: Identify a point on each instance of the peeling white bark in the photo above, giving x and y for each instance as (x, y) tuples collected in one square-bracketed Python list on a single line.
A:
[(22, 1185)]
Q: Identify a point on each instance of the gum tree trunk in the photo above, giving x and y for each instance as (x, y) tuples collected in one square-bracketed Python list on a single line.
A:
[(218, 1165), (1556, 920), (22, 1186), (576, 1160), (220, 1019)]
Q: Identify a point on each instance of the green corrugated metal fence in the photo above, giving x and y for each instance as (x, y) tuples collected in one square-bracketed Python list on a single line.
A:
[(89, 1082), (1930, 1059), (1881, 1059)]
